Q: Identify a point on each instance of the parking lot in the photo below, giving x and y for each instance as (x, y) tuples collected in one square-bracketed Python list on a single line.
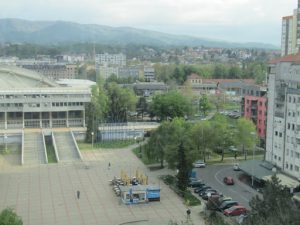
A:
[(47, 194), (213, 175)]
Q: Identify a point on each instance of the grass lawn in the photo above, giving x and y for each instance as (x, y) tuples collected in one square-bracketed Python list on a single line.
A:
[(105, 144), (51, 154)]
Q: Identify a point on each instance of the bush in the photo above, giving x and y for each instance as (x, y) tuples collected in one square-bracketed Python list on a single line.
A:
[(168, 179), (190, 199)]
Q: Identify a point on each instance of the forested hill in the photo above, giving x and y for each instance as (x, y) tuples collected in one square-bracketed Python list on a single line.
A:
[(57, 32)]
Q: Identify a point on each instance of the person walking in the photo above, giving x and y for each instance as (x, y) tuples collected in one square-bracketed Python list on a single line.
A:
[(78, 194), (109, 165), (188, 214)]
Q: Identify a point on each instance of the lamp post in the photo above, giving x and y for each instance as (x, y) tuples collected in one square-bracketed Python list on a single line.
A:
[(92, 140), (253, 153), (5, 142)]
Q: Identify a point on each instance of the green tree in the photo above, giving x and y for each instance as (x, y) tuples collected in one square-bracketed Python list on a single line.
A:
[(96, 110), (120, 101), (245, 135), (223, 135), (142, 106), (275, 207), (9, 217), (204, 105), (170, 105), (183, 170), (202, 137)]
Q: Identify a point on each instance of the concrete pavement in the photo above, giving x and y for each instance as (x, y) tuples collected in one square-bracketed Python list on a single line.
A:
[(46, 194)]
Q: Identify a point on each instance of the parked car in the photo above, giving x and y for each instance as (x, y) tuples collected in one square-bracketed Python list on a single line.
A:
[(227, 205), (199, 164), (236, 167), (210, 194), (201, 193), (228, 180), (198, 190), (197, 183), (235, 210), (223, 199)]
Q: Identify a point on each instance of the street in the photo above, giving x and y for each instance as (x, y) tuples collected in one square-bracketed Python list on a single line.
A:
[(213, 176)]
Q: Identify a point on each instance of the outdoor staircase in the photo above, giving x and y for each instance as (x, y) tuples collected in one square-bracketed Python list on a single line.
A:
[(66, 147), (34, 150)]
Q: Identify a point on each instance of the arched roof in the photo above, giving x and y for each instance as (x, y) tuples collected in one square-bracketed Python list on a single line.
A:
[(17, 78)]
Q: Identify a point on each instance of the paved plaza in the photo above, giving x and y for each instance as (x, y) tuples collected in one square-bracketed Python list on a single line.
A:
[(46, 194)]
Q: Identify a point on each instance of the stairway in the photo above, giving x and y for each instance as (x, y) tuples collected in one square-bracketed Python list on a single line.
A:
[(66, 148), (34, 151)]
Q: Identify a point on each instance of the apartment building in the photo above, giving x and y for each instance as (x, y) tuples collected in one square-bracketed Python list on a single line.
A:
[(255, 109), (283, 120), (106, 59), (290, 33)]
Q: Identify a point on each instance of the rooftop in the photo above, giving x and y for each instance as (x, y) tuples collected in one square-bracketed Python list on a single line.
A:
[(17, 78)]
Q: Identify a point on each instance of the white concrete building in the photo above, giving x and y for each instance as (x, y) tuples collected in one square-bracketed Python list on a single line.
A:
[(110, 59), (29, 100), (283, 120)]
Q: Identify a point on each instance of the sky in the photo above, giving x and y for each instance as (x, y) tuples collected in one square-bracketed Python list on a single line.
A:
[(230, 20)]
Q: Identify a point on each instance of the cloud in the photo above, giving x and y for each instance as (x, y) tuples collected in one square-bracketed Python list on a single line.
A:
[(154, 13)]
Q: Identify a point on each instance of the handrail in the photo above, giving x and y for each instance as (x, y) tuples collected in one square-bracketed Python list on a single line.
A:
[(54, 145), (22, 150), (45, 148), (77, 149)]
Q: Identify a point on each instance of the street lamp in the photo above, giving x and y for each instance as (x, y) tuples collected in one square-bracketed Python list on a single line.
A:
[(5, 142), (253, 153), (92, 140)]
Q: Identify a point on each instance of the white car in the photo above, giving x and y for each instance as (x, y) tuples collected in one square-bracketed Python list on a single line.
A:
[(236, 167), (199, 164)]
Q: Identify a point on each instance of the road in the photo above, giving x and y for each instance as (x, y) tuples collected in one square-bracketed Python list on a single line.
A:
[(213, 176)]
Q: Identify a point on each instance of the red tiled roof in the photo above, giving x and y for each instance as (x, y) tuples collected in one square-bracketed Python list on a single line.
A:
[(287, 58), (247, 81), (287, 17), (193, 76)]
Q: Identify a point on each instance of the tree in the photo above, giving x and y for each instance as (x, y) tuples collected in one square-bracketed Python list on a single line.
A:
[(204, 105), (142, 106), (183, 170), (9, 217), (96, 111), (120, 101), (245, 134), (202, 137), (275, 207), (223, 136), (170, 105)]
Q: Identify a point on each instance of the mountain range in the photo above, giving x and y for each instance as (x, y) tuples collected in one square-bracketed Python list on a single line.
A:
[(62, 32)]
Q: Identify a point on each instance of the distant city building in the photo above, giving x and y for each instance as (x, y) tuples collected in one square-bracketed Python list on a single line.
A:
[(290, 34), (110, 59), (149, 74), (283, 127), (125, 72), (106, 71), (54, 71), (255, 109)]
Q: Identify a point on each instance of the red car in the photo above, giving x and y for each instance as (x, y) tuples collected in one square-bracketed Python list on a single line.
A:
[(228, 180), (235, 210)]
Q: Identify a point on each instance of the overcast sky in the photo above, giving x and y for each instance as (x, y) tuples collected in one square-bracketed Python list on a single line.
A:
[(231, 20)]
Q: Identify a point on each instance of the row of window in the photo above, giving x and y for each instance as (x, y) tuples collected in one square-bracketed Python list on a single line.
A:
[(46, 104), (293, 154), (291, 167), (294, 99), (42, 96)]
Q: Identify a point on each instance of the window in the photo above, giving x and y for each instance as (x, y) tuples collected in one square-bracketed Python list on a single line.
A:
[(291, 167), (289, 126), (280, 134), (296, 168), (276, 133)]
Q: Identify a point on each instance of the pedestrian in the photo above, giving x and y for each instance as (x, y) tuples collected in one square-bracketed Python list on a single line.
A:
[(188, 214), (235, 155), (78, 194), (109, 165)]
